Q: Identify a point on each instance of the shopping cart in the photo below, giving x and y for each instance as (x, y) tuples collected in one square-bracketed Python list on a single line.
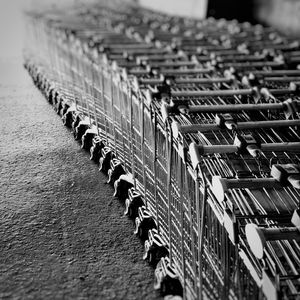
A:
[(196, 124)]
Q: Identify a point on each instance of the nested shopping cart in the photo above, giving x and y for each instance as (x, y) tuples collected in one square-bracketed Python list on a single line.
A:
[(201, 119)]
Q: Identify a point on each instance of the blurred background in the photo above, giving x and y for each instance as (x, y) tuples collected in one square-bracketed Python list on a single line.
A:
[(11, 28), (281, 14)]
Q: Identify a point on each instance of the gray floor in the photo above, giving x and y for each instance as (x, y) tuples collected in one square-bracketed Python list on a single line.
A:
[(62, 233)]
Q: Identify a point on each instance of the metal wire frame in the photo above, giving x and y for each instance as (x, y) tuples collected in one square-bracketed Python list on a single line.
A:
[(167, 182), (149, 156), (215, 169)]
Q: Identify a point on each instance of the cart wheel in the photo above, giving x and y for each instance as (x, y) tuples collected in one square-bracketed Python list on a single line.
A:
[(162, 252), (117, 187), (87, 140), (155, 255), (50, 97), (75, 134), (177, 288), (166, 287), (42, 84), (80, 130), (38, 81), (95, 152), (146, 250), (75, 123), (121, 189), (147, 224), (143, 230), (46, 85), (137, 225), (104, 163), (64, 109), (92, 153), (67, 119), (157, 280), (152, 258), (127, 205), (171, 286), (113, 175), (141, 233), (134, 210), (101, 164), (131, 212), (55, 99), (133, 202), (61, 112), (58, 106)]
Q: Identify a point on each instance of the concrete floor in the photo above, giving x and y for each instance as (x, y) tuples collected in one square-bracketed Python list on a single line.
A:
[(62, 233)]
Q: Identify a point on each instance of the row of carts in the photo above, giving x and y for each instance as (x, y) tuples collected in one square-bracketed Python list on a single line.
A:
[(197, 125)]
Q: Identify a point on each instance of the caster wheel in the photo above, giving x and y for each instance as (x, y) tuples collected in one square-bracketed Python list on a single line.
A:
[(55, 99), (165, 288), (75, 122), (115, 171), (137, 225), (155, 254), (155, 248), (141, 233), (144, 226), (104, 161), (38, 80), (147, 247), (122, 185), (127, 211), (67, 119), (95, 153), (132, 213), (144, 222), (80, 130), (64, 109), (87, 140), (171, 286), (95, 150), (152, 258), (46, 86), (58, 106), (133, 202), (51, 96)]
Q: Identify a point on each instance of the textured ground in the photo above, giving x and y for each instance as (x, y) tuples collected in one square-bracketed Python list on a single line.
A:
[(62, 233)]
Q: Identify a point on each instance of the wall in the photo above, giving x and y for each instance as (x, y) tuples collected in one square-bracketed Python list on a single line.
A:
[(282, 14), (190, 8)]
